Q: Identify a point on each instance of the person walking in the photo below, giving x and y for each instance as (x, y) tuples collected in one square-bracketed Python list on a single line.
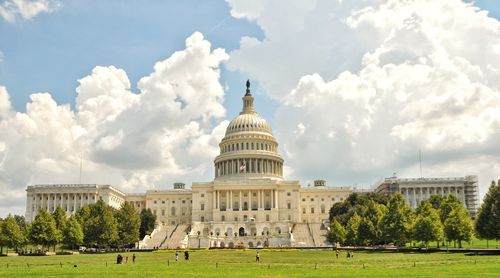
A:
[(257, 257), (186, 255), (337, 253), (176, 256), (133, 258)]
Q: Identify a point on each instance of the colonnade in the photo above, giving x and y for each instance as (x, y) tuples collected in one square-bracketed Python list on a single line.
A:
[(414, 195), (248, 165), (69, 202), (235, 200)]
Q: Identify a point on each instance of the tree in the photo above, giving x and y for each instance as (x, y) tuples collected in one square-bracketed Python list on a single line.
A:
[(367, 233), (427, 225), (60, 217), (458, 226), (148, 220), (436, 201), (129, 223), (355, 203), (100, 225), (351, 237), (395, 225), (43, 230), (13, 234), (72, 233), (3, 239), (336, 233), (450, 202), (488, 220)]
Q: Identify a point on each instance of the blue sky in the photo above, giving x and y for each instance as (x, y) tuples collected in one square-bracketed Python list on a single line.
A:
[(352, 89), (50, 52)]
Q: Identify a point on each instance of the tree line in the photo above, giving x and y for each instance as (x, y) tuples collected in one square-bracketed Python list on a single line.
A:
[(373, 219), (96, 225)]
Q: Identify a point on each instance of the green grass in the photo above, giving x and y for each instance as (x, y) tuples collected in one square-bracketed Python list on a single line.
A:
[(476, 243), (241, 263)]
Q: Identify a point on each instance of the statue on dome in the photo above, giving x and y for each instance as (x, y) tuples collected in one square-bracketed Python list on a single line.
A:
[(248, 88)]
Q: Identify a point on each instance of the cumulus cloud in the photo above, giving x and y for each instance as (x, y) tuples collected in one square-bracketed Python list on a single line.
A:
[(363, 85), (135, 140), (10, 10)]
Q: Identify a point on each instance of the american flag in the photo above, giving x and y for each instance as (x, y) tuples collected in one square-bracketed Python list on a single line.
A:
[(243, 167)]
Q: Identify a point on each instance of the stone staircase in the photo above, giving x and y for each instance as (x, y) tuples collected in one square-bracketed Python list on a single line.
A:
[(318, 232), (177, 237), (302, 236), (155, 239)]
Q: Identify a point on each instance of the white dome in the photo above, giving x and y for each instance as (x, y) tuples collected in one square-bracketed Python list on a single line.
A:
[(249, 148), (248, 122)]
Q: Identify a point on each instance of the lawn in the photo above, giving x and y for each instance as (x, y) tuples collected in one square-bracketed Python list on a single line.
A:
[(241, 263)]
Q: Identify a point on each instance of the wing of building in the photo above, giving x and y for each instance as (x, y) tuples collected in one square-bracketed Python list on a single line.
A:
[(416, 190)]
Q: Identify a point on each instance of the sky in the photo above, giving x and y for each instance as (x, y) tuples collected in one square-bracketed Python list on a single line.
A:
[(139, 93)]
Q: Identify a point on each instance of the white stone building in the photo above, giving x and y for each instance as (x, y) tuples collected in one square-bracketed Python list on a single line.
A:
[(70, 197), (416, 190)]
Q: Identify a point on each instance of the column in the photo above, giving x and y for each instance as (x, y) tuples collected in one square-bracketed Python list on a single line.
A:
[(214, 205), (258, 199), (240, 206), (82, 199), (276, 198), (249, 200), (230, 200), (74, 202), (272, 198)]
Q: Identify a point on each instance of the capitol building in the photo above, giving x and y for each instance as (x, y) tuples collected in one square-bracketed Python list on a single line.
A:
[(248, 204)]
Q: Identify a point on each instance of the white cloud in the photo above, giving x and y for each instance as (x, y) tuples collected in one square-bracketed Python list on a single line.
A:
[(164, 133), (10, 10), (363, 85)]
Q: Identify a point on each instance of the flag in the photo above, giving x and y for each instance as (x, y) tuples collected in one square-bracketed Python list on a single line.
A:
[(243, 167)]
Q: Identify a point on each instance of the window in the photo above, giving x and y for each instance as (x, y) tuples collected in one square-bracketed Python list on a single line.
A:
[(173, 202), (163, 201), (236, 218), (288, 205), (303, 199), (162, 212), (312, 199), (154, 201), (223, 218), (183, 201), (267, 217), (202, 207), (154, 211), (254, 194), (289, 217), (172, 211), (245, 218), (304, 211), (202, 219), (289, 194), (312, 210), (202, 195)]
